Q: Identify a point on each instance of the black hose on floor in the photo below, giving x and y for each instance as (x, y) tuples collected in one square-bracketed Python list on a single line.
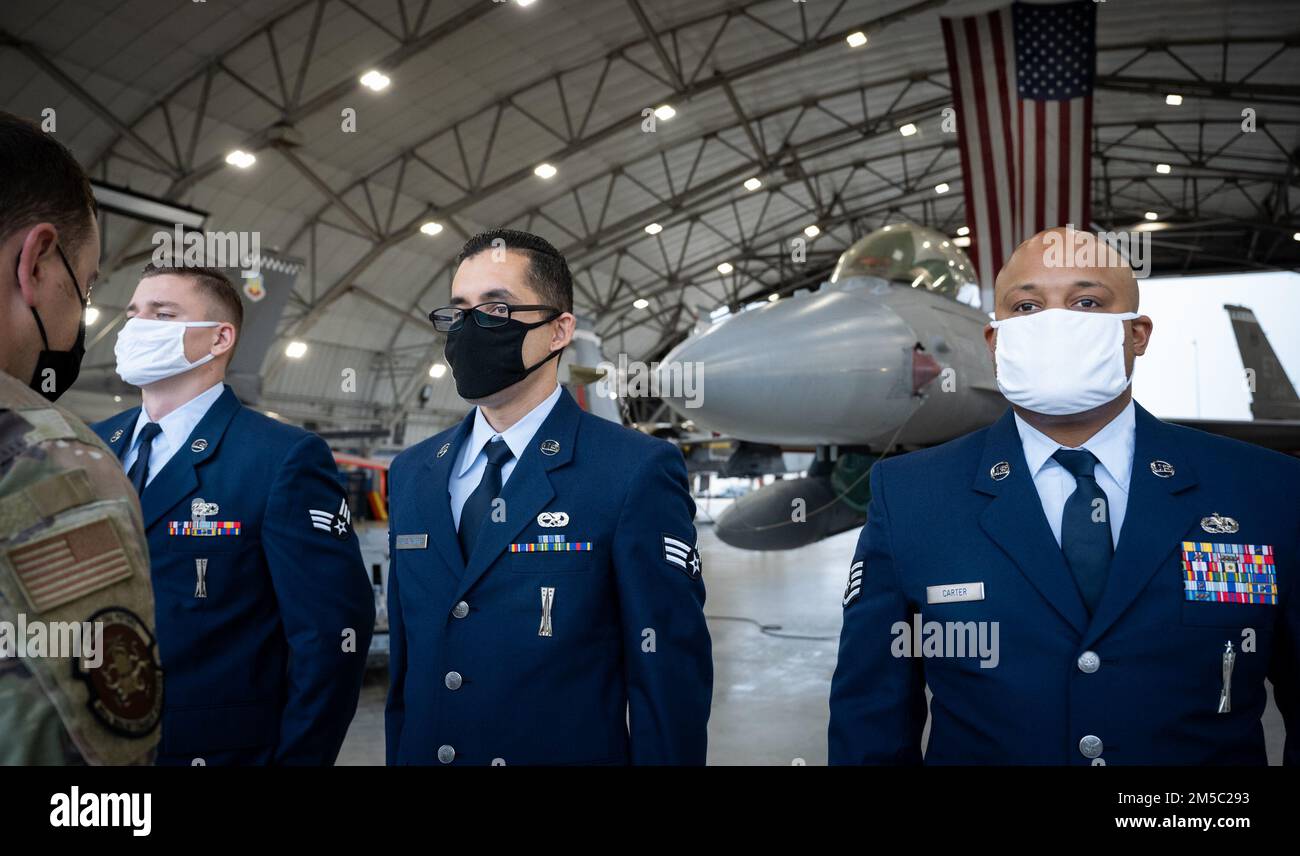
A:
[(770, 629)]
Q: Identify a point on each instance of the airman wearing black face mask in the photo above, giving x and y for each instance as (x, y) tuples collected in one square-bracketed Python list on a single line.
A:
[(545, 597), (57, 370), (70, 531)]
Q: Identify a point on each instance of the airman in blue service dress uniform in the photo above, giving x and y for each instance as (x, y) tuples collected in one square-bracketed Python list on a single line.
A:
[(1139, 578), (554, 615), (264, 609)]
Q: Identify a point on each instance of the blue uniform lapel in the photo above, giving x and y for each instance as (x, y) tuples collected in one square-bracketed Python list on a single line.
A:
[(178, 478), (442, 528), (1160, 511), (1016, 522), (119, 439), (528, 489)]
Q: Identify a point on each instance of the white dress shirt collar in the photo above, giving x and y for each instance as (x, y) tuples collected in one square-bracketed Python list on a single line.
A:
[(178, 425), (517, 436), (1113, 445)]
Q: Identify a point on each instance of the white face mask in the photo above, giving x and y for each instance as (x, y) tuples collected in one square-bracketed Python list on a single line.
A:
[(1061, 361), (148, 350)]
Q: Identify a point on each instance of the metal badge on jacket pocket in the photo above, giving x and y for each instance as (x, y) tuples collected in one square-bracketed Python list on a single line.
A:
[(1229, 573)]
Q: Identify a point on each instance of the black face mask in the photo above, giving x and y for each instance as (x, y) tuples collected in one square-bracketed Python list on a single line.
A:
[(56, 371), (486, 360)]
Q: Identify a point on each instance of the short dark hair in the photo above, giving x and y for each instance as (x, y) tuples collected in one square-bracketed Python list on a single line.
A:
[(40, 181), (213, 284), (548, 272)]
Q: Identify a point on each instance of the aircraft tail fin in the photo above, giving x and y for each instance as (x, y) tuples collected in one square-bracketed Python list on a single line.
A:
[(1273, 394)]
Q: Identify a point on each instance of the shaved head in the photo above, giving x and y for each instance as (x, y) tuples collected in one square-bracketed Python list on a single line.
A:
[(1065, 268), (1062, 267)]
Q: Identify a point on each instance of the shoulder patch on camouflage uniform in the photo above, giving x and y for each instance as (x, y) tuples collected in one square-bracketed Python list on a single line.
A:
[(47, 424), (45, 499), (71, 564), (54, 495), (126, 688)]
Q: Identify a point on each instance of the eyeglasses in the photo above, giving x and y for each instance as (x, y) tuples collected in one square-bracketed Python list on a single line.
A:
[(449, 319)]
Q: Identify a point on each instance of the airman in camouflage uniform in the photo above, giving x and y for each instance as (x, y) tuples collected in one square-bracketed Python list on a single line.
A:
[(72, 550), (72, 546)]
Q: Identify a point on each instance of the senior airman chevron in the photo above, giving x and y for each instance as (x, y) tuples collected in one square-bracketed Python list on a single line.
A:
[(1229, 573), (854, 587), (685, 556)]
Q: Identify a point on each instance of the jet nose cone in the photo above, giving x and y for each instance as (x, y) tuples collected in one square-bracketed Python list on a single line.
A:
[(819, 368)]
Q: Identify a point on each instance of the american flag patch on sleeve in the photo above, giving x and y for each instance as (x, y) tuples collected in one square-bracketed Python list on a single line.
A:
[(685, 556), (854, 587), (61, 568)]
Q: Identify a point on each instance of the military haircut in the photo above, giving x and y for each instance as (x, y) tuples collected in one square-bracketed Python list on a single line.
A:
[(212, 284), (548, 272), (41, 182)]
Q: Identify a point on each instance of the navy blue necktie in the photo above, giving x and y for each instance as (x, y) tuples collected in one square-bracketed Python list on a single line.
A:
[(1085, 526), (479, 505), (139, 472)]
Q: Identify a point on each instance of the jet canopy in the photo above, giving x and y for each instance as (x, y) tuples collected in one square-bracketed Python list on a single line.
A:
[(912, 255)]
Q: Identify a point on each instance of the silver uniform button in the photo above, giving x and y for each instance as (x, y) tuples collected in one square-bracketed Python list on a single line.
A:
[(1089, 662), (446, 754), (460, 610), (1090, 746), (453, 680)]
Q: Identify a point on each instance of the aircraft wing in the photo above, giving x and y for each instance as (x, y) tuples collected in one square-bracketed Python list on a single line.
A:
[(1282, 435)]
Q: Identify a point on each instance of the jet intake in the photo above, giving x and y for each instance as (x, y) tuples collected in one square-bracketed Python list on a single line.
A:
[(925, 368)]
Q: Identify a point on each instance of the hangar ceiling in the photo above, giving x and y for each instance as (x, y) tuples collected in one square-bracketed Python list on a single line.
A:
[(153, 95)]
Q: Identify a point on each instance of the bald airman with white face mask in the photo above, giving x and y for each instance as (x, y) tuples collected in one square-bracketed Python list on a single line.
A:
[(1108, 588)]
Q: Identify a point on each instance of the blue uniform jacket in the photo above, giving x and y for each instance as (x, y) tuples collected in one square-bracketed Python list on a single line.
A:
[(596, 519), (1140, 682), (263, 657)]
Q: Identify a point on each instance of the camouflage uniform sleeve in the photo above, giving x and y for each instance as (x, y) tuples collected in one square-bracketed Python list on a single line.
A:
[(31, 733), (75, 593)]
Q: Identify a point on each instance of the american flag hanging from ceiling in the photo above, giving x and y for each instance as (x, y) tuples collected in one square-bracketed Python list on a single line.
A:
[(1022, 79)]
